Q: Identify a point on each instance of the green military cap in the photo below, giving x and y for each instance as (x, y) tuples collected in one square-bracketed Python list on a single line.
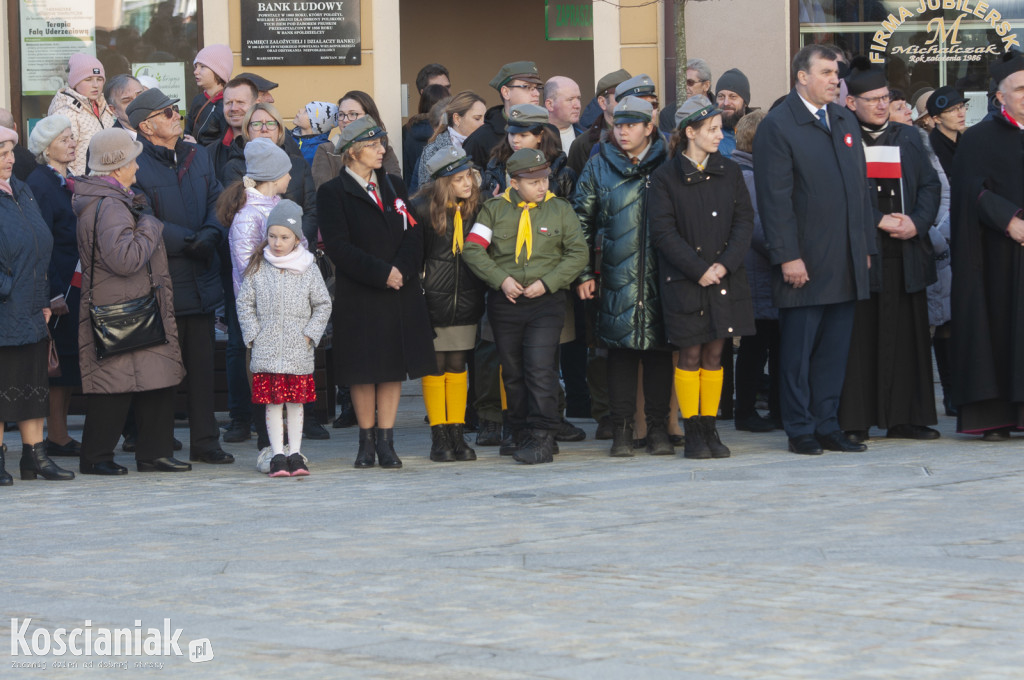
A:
[(517, 70), (525, 117), (638, 86), (632, 110), (695, 109), (611, 81), (528, 164), (360, 130), (448, 161)]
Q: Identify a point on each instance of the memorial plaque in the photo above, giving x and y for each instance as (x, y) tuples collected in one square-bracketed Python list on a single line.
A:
[(305, 33)]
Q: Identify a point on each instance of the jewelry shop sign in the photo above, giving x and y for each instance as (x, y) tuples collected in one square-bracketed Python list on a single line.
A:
[(300, 33)]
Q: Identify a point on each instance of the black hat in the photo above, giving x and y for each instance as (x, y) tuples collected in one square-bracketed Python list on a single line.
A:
[(261, 83), (143, 106), (1012, 62), (943, 98), (864, 77)]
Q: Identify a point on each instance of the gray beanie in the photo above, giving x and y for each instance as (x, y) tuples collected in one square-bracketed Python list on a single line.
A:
[(265, 161), (287, 213), (45, 131), (734, 81)]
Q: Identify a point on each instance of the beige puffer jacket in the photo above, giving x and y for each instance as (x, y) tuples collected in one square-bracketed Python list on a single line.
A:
[(84, 123)]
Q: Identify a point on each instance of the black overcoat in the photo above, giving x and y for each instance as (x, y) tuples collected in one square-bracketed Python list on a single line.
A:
[(812, 196), (697, 218), (988, 266), (380, 334)]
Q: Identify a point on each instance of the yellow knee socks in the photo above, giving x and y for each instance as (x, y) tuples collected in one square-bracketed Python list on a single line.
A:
[(688, 388), (501, 390), (456, 387), (434, 399), (710, 391)]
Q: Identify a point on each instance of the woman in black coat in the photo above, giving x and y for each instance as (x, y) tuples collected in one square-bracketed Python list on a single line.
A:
[(445, 208), (701, 221), (382, 331)]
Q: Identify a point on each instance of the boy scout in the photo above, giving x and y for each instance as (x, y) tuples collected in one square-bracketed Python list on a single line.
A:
[(527, 246)]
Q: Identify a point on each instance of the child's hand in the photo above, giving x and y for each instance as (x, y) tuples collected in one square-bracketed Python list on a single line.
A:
[(535, 289)]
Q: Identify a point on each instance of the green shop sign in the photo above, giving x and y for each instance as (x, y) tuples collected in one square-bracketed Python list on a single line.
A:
[(569, 19)]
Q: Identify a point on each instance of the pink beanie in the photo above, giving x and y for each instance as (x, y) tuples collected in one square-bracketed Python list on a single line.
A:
[(8, 135), (218, 59), (82, 66)]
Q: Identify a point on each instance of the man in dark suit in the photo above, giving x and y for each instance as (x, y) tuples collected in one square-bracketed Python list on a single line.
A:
[(814, 204)]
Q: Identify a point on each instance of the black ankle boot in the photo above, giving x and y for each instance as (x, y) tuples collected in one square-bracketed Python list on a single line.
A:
[(711, 438), (386, 455), (622, 440), (694, 446), (5, 477), (34, 461), (441, 450), (367, 446), (457, 435)]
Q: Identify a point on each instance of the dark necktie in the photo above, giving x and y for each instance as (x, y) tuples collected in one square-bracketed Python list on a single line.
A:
[(372, 188), (634, 160), (823, 117)]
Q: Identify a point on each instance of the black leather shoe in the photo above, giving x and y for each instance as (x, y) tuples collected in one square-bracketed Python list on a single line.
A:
[(347, 418), (837, 441), (567, 432), (35, 462), (72, 448), (167, 464), (312, 429), (367, 455), (754, 423), (5, 476), (1000, 435), (238, 431), (858, 436), (912, 432), (605, 429), (489, 433), (463, 451), (805, 444), (129, 444), (215, 457), (178, 446), (386, 456), (104, 467)]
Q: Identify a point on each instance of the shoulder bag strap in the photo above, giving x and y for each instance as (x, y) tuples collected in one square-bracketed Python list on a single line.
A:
[(92, 263)]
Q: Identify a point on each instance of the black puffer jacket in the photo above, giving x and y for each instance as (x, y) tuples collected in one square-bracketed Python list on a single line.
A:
[(563, 178), (455, 296)]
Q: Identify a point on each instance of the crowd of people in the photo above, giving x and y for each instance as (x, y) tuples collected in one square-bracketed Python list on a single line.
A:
[(540, 259)]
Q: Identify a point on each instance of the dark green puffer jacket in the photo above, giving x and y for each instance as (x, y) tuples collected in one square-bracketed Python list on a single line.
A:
[(611, 202)]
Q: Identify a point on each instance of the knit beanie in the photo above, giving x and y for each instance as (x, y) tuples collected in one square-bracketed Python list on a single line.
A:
[(322, 115), (286, 213), (265, 161), (82, 66), (218, 59), (45, 131), (734, 81)]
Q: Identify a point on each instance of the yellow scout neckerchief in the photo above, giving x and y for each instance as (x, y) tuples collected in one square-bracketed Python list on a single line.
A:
[(457, 242), (525, 233)]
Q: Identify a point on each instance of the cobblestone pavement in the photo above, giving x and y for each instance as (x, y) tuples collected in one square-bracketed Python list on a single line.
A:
[(903, 562)]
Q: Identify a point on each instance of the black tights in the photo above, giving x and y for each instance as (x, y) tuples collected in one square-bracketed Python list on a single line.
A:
[(707, 356), (451, 362)]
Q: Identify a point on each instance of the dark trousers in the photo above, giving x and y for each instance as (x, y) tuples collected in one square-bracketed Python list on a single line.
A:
[(105, 416), (574, 366), (755, 350), (239, 397), (623, 368), (526, 334), (485, 381), (814, 344), (195, 336)]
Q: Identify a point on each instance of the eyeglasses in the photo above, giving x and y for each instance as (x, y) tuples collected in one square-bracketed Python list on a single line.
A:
[(962, 106), (691, 83), (169, 112), (263, 124), (350, 116), (528, 88), (875, 101)]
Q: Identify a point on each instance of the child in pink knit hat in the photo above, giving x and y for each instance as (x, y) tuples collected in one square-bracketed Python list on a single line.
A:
[(83, 104), (213, 67)]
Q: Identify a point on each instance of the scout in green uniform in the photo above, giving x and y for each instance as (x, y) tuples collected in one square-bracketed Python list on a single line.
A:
[(527, 246)]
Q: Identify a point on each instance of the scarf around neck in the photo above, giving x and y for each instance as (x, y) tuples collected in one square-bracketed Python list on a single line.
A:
[(297, 261), (457, 139), (524, 235)]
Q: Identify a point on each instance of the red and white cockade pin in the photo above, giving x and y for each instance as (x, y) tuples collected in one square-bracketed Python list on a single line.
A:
[(849, 140), (407, 219)]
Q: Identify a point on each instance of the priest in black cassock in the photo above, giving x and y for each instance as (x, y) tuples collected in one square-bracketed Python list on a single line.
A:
[(986, 207), (889, 380)]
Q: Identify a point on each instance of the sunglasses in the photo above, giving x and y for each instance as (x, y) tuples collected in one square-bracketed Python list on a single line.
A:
[(691, 83), (169, 112)]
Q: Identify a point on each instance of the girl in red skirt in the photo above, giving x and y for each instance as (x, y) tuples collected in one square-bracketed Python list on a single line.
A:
[(283, 308)]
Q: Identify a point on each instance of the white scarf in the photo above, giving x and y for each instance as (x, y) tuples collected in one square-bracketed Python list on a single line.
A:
[(457, 139), (297, 261)]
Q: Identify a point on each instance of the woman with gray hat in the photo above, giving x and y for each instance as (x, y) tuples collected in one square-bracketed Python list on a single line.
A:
[(377, 247), (123, 259), (528, 128), (446, 208), (55, 148), (25, 244), (701, 221)]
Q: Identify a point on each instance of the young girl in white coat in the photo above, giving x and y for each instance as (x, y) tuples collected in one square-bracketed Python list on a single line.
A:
[(283, 309)]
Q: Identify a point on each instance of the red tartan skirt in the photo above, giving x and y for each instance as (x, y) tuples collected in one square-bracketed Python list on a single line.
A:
[(279, 388)]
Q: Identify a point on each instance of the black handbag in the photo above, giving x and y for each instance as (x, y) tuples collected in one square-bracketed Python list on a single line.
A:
[(124, 326)]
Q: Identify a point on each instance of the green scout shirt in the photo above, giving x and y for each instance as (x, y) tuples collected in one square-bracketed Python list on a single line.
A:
[(559, 249)]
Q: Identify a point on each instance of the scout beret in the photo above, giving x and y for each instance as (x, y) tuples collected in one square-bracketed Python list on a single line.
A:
[(943, 98), (637, 86), (611, 81), (448, 161), (633, 109), (528, 164), (695, 109), (517, 70), (360, 130), (525, 117)]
